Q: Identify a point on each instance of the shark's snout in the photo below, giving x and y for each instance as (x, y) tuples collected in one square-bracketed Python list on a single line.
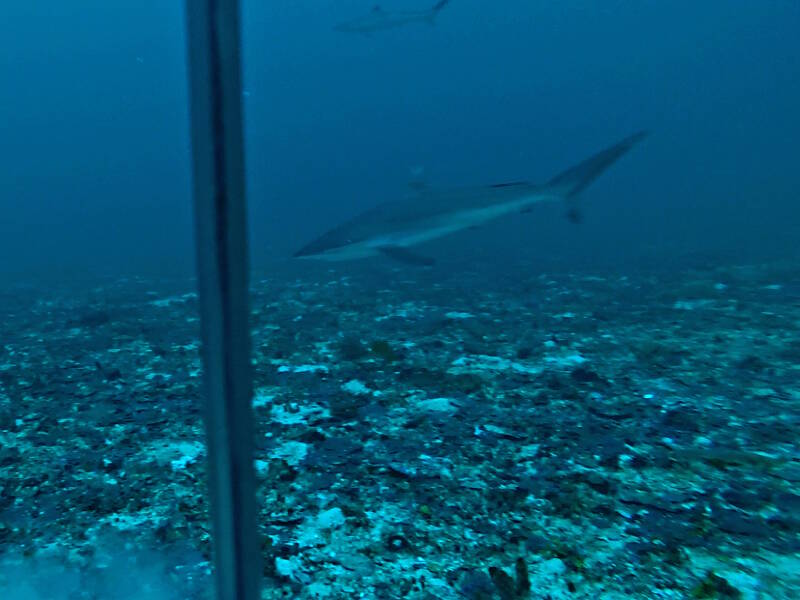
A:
[(305, 251)]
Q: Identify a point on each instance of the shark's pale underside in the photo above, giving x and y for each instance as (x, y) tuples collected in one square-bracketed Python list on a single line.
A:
[(379, 19), (392, 228)]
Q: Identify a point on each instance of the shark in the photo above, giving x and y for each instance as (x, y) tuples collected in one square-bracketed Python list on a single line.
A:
[(394, 228), (380, 19)]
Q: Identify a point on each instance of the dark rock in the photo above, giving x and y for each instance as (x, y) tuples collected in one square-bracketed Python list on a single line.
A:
[(752, 363), (351, 349), (523, 586), (609, 450), (681, 420), (333, 451), (584, 375), (524, 353), (397, 543), (503, 583), (476, 585), (739, 523), (383, 350), (743, 498), (788, 502), (599, 484), (9, 456), (536, 543), (715, 587), (372, 410)]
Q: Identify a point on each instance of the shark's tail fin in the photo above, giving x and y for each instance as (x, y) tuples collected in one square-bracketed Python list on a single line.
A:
[(574, 180)]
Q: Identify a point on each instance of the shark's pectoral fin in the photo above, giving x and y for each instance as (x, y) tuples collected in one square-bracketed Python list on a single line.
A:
[(404, 255)]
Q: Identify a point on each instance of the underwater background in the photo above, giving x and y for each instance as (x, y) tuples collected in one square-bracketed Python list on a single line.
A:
[(96, 161), (602, 409)]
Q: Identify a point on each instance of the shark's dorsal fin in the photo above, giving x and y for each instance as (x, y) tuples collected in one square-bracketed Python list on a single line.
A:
[(404, 255), (417, 180)]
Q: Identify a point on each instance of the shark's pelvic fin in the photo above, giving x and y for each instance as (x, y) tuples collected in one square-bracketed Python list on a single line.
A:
[(575, 215), (404, 255), (574, 180)]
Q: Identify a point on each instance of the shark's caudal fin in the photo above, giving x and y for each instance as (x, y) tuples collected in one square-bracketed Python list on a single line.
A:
[(435, 9), (574, 180)]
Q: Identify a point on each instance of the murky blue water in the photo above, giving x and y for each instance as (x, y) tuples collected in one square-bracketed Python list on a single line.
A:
[(594, 395)]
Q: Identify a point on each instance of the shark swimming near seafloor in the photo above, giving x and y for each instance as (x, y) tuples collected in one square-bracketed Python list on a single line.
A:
[(380, 19), (392, 228)]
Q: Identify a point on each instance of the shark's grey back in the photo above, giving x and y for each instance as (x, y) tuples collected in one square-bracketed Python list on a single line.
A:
[(433, 203)]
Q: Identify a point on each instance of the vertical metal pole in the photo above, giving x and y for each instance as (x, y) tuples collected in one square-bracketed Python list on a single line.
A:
[(220, 221)]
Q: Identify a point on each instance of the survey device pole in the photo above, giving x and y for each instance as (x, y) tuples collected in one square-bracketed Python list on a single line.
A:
[(220, 236)]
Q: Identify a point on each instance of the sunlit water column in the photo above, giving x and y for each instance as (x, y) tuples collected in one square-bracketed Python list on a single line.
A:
[(218, 153)]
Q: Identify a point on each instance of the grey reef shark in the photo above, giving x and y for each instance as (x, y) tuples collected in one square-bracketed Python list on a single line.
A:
[(393, 228), (380, 19)]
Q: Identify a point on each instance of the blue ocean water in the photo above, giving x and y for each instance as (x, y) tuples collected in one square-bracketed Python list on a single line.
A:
[(536, 407)]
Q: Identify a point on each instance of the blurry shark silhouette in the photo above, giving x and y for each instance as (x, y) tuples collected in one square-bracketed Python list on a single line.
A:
[(392, 228), (380, 19)]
